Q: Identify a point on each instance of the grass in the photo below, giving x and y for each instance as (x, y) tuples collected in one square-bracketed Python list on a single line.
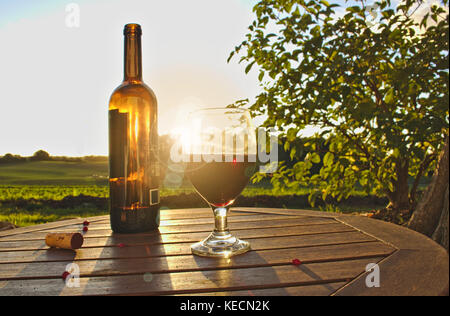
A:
[(50, 192), (25, 205), (49, 180), (54, 173), (22, 217)]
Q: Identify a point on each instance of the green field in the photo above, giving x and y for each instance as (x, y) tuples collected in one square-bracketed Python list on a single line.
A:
[(54, 173), (24, 187), (39, 192)]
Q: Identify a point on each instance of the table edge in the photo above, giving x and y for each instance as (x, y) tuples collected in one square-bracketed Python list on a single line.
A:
[(415, 251)]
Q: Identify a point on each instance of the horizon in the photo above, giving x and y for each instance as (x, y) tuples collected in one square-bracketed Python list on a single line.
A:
[(54, 156)]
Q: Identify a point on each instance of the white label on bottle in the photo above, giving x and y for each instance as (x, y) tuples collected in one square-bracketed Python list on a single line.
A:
[(154, 196)]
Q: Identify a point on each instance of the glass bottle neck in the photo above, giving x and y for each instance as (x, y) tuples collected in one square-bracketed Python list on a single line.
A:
[(133, 58)]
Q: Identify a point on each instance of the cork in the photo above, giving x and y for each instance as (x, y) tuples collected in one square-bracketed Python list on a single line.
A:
[(64, 240)]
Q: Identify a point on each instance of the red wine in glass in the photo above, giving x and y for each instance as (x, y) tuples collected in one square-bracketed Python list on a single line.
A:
[(219, 183)]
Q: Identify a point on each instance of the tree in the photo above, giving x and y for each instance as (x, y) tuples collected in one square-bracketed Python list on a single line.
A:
[(40, 155), (377, 88), (431, 215), (10, 158), (7, 158)]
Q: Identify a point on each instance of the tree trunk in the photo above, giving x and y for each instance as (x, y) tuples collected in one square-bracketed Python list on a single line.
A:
[(440, 235), (399, 199), (431, 215)]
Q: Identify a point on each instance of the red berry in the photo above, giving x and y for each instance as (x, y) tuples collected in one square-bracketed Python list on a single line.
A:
[(86, 223), (65, 275), (296, 262), (121, 245), (85, 228)]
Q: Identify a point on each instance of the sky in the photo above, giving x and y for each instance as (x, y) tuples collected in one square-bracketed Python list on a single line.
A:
[(56, 80)]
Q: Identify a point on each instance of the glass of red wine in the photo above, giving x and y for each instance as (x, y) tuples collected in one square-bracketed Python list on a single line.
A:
[(222, 159)]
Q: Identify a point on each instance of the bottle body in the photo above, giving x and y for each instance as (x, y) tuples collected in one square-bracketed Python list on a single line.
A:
[(133, 153)]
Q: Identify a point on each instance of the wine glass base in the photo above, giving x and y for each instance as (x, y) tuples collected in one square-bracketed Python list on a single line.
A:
[(220, 246)]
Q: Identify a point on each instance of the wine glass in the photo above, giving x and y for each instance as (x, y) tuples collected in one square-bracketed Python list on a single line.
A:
[(221, 159)]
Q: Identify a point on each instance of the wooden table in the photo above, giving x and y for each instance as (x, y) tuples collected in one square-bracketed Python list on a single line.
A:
[(334, 251)]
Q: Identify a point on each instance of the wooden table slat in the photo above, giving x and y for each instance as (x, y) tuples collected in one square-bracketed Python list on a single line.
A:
[(51, 225), (189, 263), (177, 222), (105, 231), (192, 282), (176, 249), (201, 213), (306, 290), (130, 240)]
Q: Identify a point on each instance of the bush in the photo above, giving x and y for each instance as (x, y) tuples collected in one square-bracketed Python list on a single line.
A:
[(40, 155), (9, 158)]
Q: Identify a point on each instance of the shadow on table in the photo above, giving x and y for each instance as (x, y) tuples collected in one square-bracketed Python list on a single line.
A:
[(316, 277), (241, 274), (127, 266), (28, 275), (250, 274)]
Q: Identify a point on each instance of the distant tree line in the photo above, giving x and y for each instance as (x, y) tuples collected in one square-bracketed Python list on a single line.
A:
[(42, 155)]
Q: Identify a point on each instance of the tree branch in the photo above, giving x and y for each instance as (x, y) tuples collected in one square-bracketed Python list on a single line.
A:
[(377, 93)]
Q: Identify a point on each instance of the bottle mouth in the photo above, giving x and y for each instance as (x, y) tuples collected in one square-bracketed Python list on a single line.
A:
[(132, 28)]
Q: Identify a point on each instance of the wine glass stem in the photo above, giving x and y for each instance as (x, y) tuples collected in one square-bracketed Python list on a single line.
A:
[(220, 219)]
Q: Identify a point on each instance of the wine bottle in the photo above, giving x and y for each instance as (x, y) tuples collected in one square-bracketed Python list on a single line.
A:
[(133, 146)]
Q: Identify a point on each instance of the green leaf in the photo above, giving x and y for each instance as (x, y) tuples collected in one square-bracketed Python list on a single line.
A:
[(293, 152), (249, 66), (353, 9), (261, 76), (230, 56), (328, 159), (315, 158), (389, 99), (292, 134), (390, 186), (324, 194), (363, 181)]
